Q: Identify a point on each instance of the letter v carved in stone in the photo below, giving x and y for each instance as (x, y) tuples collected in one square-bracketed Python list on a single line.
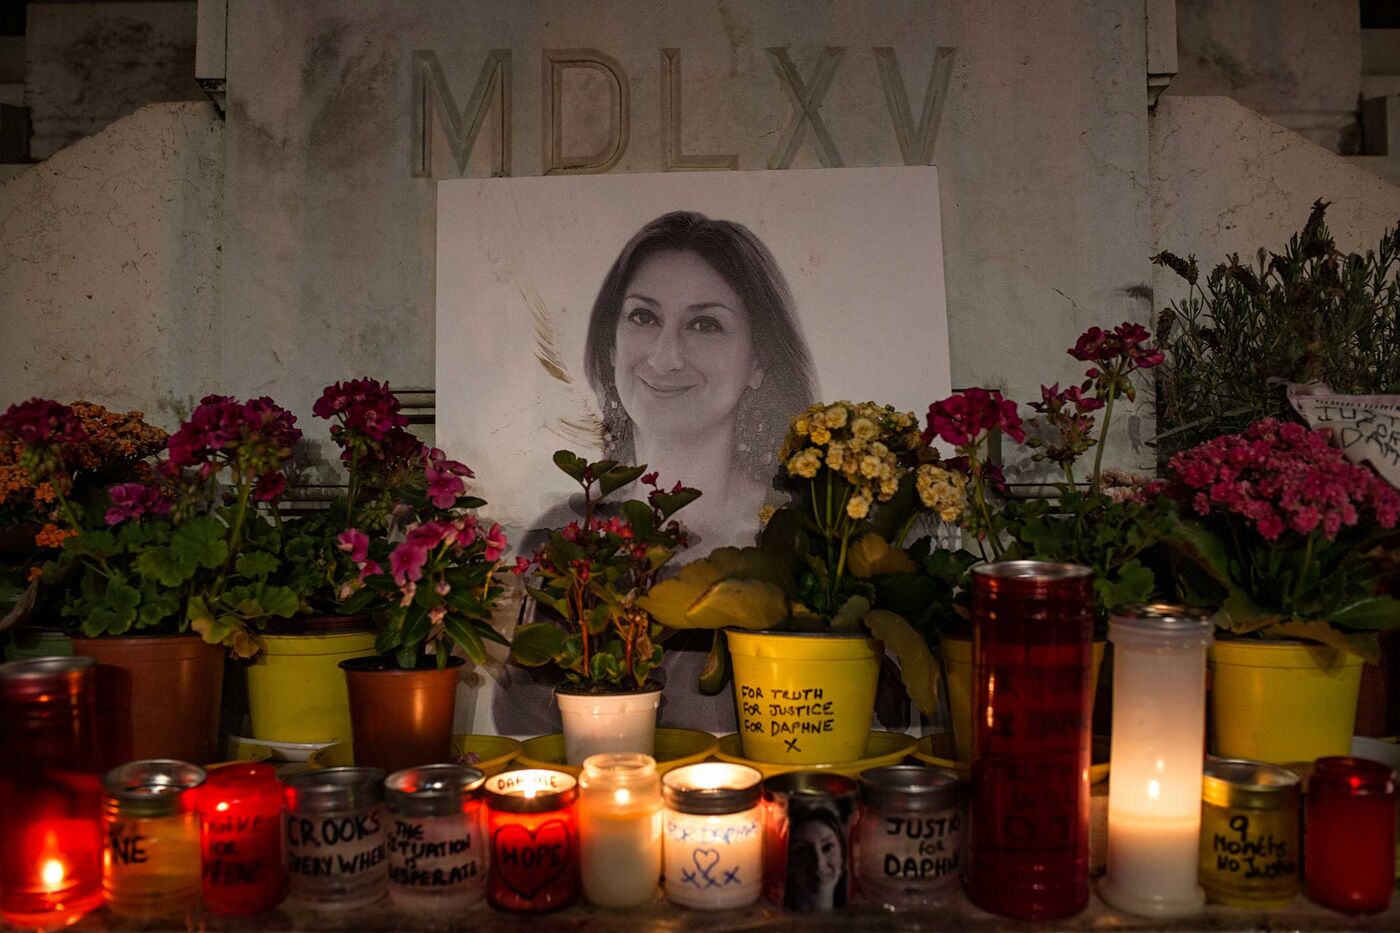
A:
[(915, 144)]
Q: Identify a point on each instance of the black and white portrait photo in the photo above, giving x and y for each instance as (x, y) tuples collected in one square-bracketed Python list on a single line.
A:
[(680, 321), (818, 856)]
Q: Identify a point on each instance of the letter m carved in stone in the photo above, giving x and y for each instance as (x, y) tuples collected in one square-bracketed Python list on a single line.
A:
[(461, 127)]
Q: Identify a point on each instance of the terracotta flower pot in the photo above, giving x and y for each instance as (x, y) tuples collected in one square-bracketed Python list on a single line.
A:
[(401, 718), (157, 697)]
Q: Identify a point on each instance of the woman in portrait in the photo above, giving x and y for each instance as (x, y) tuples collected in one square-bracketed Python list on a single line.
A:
[(816, 868), (698, 363)]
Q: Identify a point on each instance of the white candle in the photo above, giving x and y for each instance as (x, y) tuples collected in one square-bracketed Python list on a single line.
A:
[(1154, 796), (619, 829), (713, 836)]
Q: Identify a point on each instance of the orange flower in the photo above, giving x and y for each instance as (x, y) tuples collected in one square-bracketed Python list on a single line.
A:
[(34, 573), (53, 536)]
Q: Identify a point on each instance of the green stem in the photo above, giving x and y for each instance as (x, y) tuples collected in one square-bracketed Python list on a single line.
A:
[(1103, 436), (1302, 573), (66, 507), (235, 539), (353, 488), (1069, 474)]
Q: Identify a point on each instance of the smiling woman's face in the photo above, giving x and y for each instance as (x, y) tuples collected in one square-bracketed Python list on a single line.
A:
[(684, 351)]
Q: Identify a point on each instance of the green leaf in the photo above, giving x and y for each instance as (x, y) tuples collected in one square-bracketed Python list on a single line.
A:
[(598, 619), (571, 463), (1131, 583), (638, 515), (1378, 613), (280, 601), (1365, 645), (669, 503), (537, 643), (1240, 615), (715, 672), (670, 602), (546, 598), (606, 668), (256, 565), (200, 541), (746, 604), (917, 667), (117, 611), (466, 637), (871, 556), (98, 545), (847, 618), (156, 605), (617, 477), (1203, 547), (164, 566), (407, 656)]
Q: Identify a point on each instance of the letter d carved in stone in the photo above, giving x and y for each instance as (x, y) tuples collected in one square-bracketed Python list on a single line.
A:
[(619, 119)]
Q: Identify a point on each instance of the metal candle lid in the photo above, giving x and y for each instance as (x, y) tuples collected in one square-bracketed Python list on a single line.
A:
[(432, 790), (1031, 570), (711, 788), (334, 789), (152, 788), (1252, 785), (910, 787), (535, 790), (808, 783)]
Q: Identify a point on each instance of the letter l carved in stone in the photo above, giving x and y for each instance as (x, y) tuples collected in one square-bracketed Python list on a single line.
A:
[(672, 158)]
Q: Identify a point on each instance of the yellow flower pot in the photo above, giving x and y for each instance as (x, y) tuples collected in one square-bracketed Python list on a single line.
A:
[(956, 656), (1282, 702), (296, 689), (804, 698)]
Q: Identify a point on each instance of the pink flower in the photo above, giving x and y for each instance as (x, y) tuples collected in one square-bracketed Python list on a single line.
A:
[(41, 421), (408, 591), (522, 566), (495, 542), (355, 543), (254, 437), (445, 482), (133, 500), (442, 588), (370, 568), (965, 416)]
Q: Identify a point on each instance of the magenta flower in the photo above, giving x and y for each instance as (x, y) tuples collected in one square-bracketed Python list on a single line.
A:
[(445, 479), (407, 560), (365, 408), (522, 566), (964, 417), (41, 421), (496, 544), (355, 543), (130, 501), (254, 438)]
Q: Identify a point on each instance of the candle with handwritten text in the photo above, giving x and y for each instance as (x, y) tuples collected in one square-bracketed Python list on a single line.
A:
[(150, 858), (908, 838), (712, 836), (437, 853), (334, 834), (241, 839), (533, 840)]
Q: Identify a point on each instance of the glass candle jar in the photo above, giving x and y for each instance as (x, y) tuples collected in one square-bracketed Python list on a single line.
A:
[(1154, 799), (712, 841), (619, 829), (908, 838), (534, 840), (1249, 833), (50, 794), (1028, 840), (150, 857), (240, 816), (1350, 835), (806, 839), (334, 833), (437, 854)]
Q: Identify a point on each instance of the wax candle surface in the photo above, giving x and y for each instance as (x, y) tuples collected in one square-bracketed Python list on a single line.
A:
[(619, 829)]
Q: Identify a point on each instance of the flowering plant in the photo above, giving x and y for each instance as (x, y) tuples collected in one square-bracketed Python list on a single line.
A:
[(405, 546), (832, 559), (171, 552), (595, 575), (1282, 532)]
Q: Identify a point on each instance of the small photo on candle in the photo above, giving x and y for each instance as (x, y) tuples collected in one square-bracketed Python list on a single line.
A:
[(818, 854)]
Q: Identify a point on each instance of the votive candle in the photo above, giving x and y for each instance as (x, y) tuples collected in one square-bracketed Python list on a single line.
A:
[(1154, 799), (1349, 833), (807, 839), (908, 837), (437, 853), (50, 793), (534, 840), (150, 858), (619, 828), (334, 834), (240, 817), (712, 835)]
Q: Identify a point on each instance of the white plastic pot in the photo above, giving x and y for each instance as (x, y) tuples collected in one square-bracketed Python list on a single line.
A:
[(595, 724)]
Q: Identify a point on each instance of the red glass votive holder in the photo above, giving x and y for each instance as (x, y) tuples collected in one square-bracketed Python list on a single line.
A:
[(240, 839), (533, 828), (50, 792), (1349, 835), (1028, 845)]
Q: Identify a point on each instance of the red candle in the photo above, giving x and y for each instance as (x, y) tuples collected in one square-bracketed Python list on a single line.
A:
[(50, 794), (241, 839), (1028, 847), (534, 840), (1349, 835)]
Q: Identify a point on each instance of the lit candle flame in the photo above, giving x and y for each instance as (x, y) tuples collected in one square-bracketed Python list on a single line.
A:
[(621, 796), (52, 873), (1154, 790), (221, 806), (529, 793)]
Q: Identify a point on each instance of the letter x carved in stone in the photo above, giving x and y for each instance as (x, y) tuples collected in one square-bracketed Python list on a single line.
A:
[(806, 102)]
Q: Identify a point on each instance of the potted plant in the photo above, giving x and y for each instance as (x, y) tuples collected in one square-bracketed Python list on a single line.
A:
[(802, 615), (177, 559), (1286, 536), (1108, 522), (296, 689), (594, 575), (95, 448), (427, 573)]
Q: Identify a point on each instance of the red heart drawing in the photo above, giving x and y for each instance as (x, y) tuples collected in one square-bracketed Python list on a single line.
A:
[(529, 860)]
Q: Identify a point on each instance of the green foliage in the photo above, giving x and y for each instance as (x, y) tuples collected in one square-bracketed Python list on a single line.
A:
[(596, 577), (1309, 314)]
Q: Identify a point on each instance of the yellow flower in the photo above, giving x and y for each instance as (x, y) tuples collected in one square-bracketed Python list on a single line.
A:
[(869, 466), (858, 507), (835, 455), (864, 429), (835, 417), (805, 463), (942, 491), (820, 436), (765, 514), (801, 426)]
